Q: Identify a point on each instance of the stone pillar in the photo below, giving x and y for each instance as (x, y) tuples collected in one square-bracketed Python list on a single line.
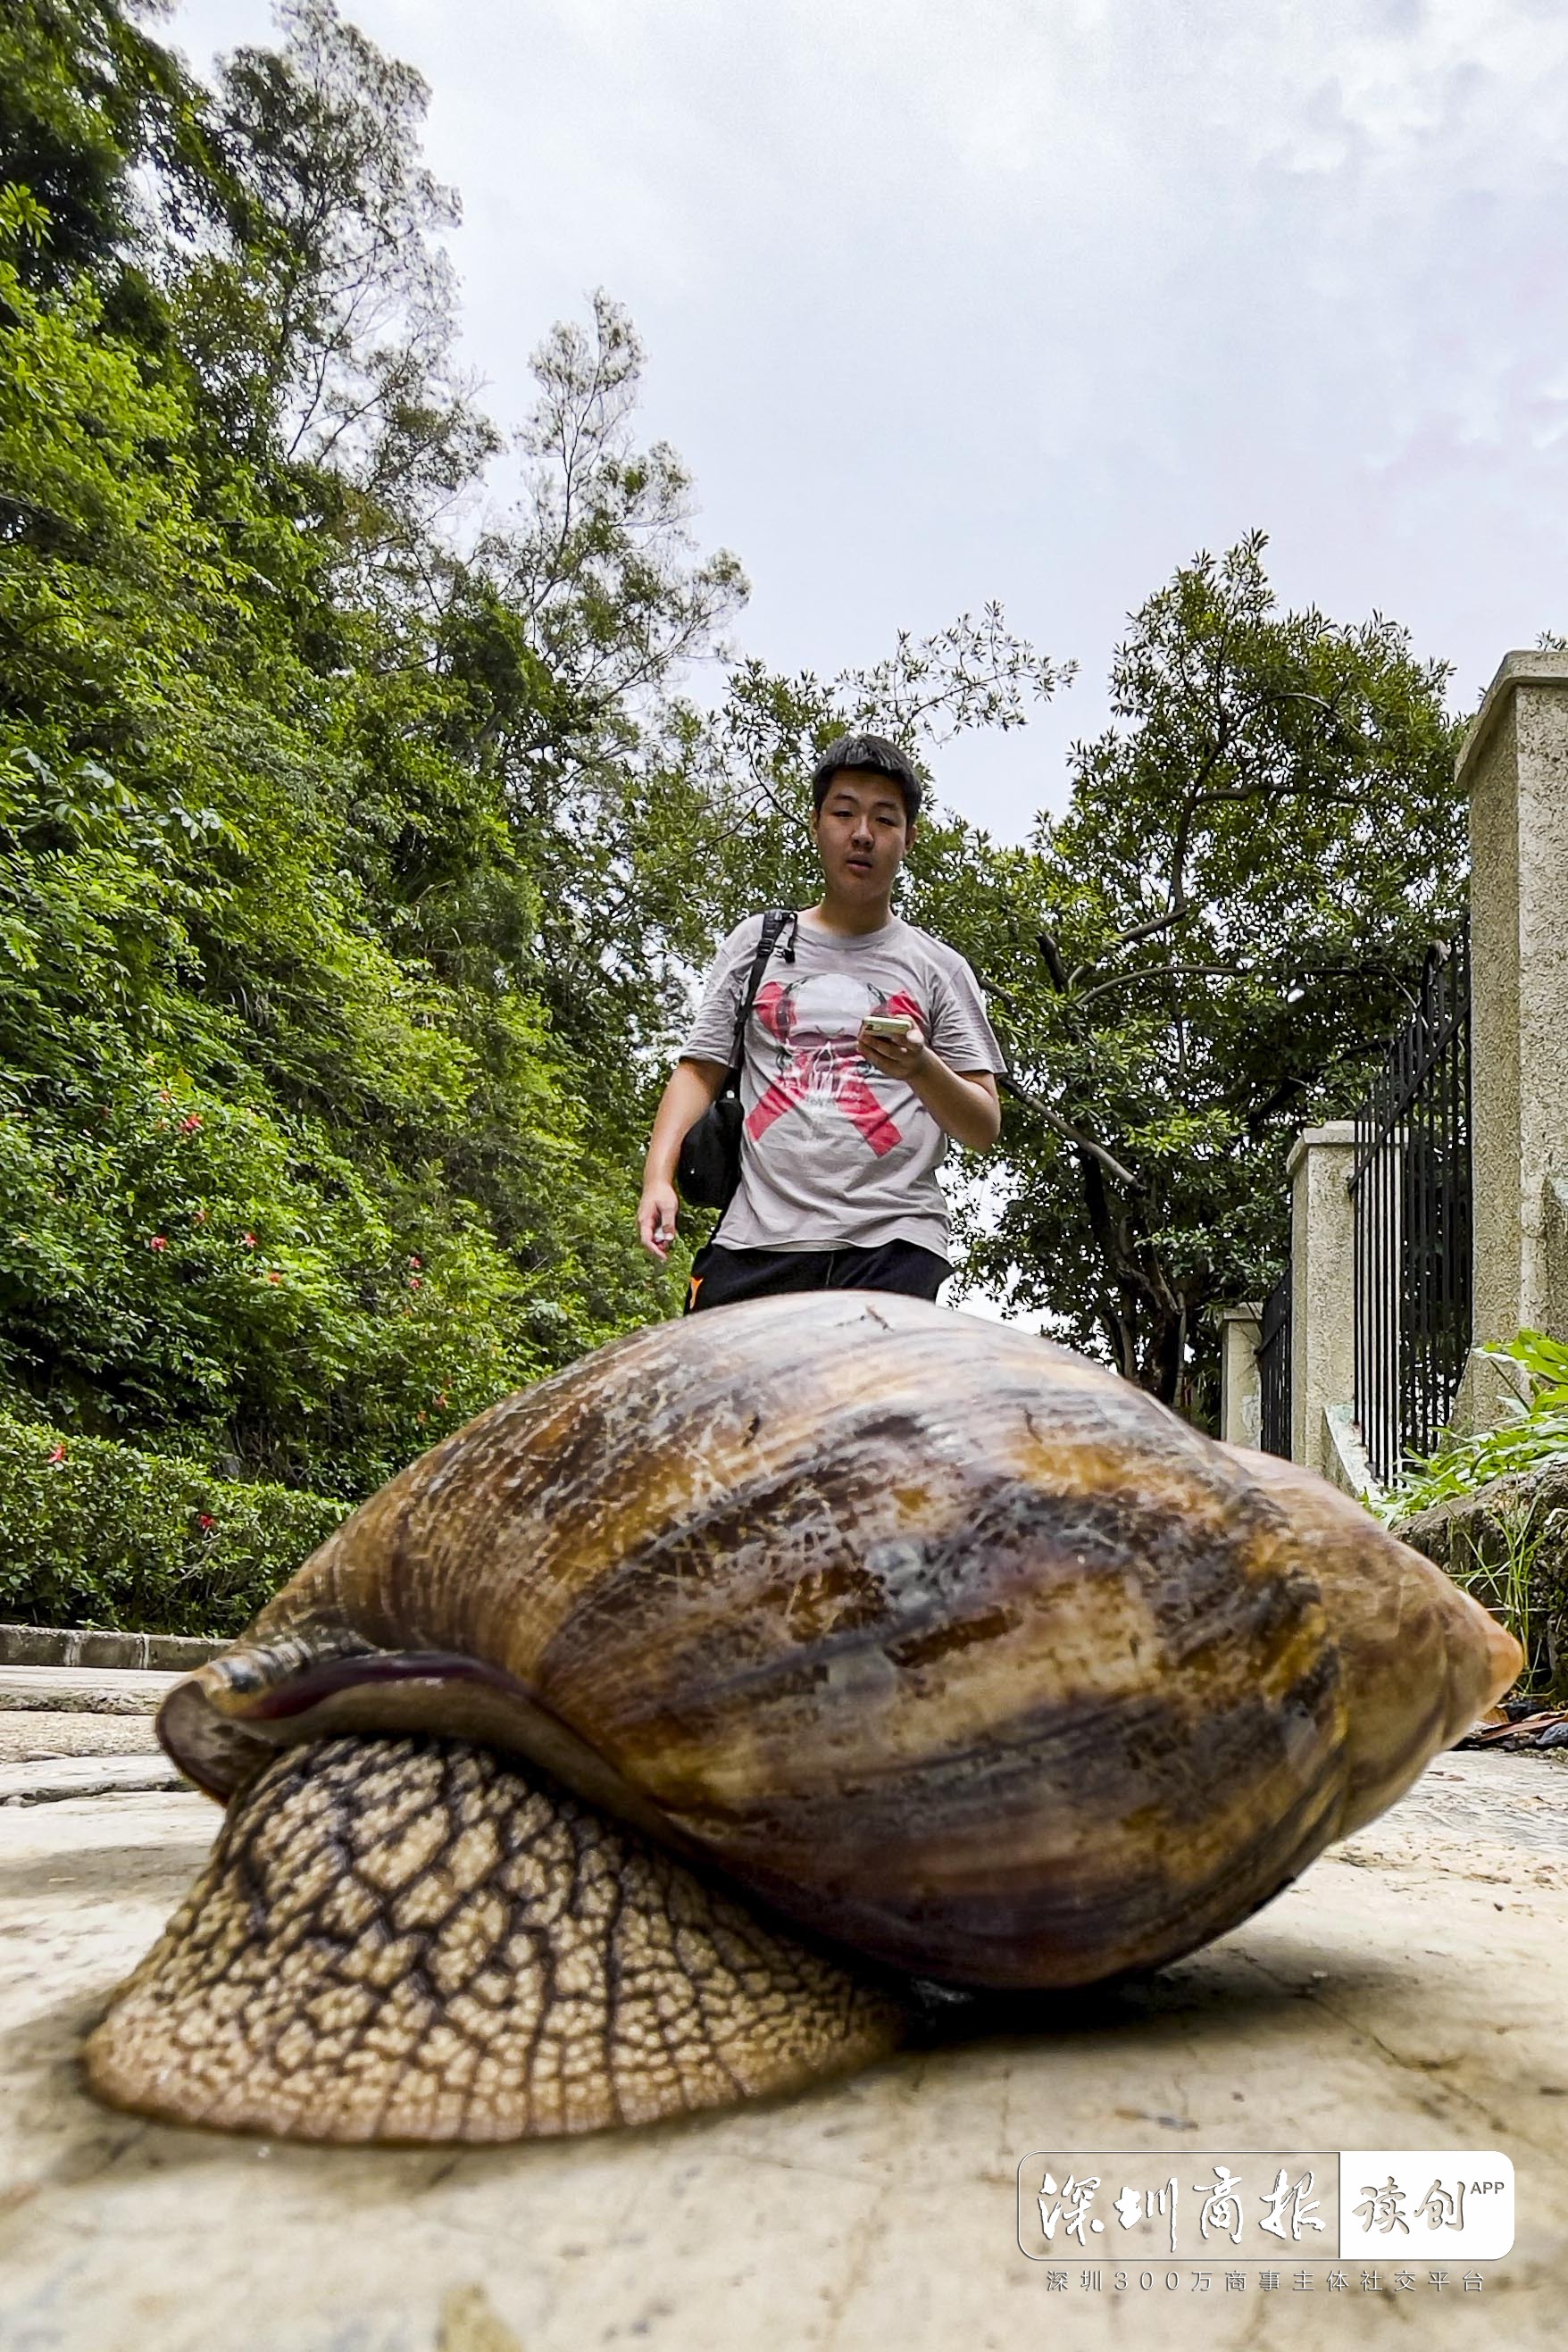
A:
[(1240, 1386), (1514, 766), (1322, 1286)]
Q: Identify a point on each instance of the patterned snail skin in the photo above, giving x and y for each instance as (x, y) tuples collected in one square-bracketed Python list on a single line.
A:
[(771, 1656)]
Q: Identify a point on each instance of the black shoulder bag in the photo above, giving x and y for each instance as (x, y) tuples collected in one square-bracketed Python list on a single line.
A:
[(708, 1169)]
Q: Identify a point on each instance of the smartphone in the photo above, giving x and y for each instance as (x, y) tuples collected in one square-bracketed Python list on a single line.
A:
[(888, 1025)]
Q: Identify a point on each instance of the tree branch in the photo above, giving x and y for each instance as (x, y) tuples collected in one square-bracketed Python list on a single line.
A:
[(1052, 956), (1060, 1126), (1163, 972)]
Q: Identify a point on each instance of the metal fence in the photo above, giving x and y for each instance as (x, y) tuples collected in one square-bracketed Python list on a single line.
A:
[(1411, 1187), (1274, 1370)]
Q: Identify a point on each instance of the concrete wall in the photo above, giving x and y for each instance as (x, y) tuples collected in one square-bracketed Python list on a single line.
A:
[(1514, 766)]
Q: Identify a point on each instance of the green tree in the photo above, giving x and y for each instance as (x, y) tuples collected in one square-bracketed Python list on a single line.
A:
[(224, 1103), (313, 1100), (1208, 951), (86, 98), (320, 306)]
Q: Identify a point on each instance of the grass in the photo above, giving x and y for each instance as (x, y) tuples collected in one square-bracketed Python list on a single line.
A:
[(1532, 1437)]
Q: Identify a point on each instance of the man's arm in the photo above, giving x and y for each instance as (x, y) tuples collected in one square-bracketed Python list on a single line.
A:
[(964, 1104), (693, 1088)]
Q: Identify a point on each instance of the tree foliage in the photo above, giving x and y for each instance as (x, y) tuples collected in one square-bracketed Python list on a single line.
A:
[(304, 1024), (1209, 952), (87, 99)]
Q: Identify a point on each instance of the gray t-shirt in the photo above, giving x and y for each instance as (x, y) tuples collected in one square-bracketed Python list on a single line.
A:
[(835, 1154)]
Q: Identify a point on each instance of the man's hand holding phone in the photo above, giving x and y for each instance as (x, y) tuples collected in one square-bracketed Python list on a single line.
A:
[(893, 1042)]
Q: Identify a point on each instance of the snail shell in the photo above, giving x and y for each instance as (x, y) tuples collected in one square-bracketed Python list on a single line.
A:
[(956, 1653)]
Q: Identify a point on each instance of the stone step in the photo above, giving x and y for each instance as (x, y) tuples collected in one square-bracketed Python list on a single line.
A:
[(104, 1690), (60, 1777)]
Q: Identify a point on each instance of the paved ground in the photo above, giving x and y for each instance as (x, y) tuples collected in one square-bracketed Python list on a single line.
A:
[(1410, 1992)]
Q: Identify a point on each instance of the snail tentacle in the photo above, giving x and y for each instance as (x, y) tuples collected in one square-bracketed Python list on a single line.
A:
[(419, 1939)]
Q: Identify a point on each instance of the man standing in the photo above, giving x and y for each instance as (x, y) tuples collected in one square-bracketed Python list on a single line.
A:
[(867, 1049)]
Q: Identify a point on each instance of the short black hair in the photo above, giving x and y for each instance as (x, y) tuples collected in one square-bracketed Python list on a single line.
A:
[(878, 757)]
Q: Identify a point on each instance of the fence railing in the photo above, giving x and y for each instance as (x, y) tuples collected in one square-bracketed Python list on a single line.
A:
[(1411, 1188), (1274, 1370)]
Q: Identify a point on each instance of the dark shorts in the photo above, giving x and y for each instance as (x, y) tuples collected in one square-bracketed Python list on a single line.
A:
[(719, 1276)]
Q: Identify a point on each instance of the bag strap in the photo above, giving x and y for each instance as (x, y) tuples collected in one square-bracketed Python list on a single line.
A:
[(774, 922)]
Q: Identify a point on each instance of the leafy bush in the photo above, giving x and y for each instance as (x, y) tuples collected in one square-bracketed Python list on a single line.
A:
[(210, 1276), (98, 1534), (1503, 1542), (1532, 1435)]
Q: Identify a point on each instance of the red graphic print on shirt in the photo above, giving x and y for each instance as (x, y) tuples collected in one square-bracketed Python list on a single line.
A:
[(815, 1023)]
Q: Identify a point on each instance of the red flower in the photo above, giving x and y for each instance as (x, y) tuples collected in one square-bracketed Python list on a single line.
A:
[(275, 1277), (205, 1521), (250, 1241), (159, 1242), (199, 1217), (188, 1125), (56, 1457), (415, 1261), (415, 1280)]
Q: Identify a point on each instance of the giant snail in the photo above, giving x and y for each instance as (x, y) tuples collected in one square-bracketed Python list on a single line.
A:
[(634, 1749)]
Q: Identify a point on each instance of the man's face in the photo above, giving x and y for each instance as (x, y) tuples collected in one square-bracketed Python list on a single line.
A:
[(862, 833)]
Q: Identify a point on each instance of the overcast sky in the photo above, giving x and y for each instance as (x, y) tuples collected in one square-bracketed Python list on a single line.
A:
[(954, 299)]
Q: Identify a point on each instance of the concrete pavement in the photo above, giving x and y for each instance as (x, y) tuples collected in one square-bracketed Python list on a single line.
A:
[(1410, 1992)]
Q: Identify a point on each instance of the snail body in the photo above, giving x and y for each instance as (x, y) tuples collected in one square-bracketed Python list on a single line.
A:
[(626, 1752)]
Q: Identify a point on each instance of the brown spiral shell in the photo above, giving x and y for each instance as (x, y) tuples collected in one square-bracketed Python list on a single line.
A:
[(947, 1643)]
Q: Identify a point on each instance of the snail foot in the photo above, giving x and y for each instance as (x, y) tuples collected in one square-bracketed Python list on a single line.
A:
[(419, 1939)]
